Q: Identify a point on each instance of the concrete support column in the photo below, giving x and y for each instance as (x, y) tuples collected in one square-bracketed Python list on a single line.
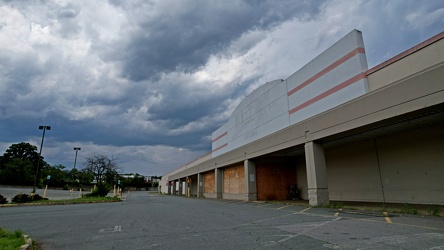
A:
[(180, 187), (168, 185), (200, 185), (187, 187), (174, 188), (250, 180), (218, 179), (316, 174)]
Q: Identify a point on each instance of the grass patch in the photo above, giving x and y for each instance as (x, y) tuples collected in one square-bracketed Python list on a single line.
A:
[(82, 200), (11, 240), (434, 211), (407, 209), (334, 204)]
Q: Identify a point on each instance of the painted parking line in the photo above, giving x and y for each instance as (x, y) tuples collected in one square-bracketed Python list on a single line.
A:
[(304, 210), (337, 213), (279, 208), (111, 230), (264, 205), (387, 218)]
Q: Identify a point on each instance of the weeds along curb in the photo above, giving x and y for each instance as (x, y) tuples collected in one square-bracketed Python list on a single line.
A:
[(56, 203)]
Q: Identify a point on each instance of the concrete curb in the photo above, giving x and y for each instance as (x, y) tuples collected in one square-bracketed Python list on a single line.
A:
[(55, 203), (28, 244)]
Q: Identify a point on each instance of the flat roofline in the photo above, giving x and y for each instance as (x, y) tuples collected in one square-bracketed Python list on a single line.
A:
[(406, 53), (368, 72), (189, 163)]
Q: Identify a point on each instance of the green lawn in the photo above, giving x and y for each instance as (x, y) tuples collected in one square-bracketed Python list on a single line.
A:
[(11, 241), (82, 200)]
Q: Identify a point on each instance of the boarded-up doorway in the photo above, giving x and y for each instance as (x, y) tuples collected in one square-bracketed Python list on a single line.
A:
[(273, 181)]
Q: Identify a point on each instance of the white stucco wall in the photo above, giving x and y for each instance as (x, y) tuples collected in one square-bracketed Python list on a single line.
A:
[(334, 77)]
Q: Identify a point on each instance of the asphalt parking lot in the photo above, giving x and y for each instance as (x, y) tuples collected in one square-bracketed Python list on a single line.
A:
[(152, 221)]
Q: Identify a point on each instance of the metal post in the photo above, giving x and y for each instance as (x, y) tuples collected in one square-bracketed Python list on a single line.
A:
[(40, 155), (75, 159)]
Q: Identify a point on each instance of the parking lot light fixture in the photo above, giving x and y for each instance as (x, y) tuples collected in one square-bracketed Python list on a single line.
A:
[(75, 159), (44, 128)]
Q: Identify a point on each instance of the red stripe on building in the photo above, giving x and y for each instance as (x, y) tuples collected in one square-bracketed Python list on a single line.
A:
[(329, 92), (214, 150), (328, 69), (220, 136)]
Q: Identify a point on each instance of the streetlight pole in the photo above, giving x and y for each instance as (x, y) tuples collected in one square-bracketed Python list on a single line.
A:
[(44, 128), (75, 159)]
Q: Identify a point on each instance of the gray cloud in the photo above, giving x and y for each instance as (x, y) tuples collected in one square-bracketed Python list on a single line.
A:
[(182, 39), (149, 81), (66, 16)]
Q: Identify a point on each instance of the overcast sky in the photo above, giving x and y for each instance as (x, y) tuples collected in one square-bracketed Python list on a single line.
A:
[(148, 81)]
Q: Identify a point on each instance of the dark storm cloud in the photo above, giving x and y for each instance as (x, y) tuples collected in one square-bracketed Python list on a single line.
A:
[(181, 107), (149, 81), (19, 73), (183, 39)]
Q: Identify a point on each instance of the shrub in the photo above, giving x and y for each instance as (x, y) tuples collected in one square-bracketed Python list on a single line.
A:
[(23, 198), (100, 190), (3, 200), (37, 197), (20, 198)]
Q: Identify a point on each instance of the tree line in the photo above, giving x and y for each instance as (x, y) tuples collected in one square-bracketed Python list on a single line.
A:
[(19, 163)]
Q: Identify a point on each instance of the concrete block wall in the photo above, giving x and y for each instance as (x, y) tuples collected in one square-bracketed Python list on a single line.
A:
[(406, 167)]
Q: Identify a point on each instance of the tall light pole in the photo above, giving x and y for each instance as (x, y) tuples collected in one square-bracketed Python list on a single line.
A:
[(44, 128), (75, 159), (74, 175)]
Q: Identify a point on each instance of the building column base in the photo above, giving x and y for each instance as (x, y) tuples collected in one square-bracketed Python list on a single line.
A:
[(200, 186), (251, 197), (318, 197)]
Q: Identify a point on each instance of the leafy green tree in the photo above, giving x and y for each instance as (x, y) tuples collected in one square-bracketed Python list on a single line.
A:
[(18, 172), (18, 164), (76, 178), (138, 181), (83, 177), (58, 173), (111, 177)]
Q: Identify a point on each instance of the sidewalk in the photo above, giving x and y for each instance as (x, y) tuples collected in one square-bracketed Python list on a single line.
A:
[(419, 209)]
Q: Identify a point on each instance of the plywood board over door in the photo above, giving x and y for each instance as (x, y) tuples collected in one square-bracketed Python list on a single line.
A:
[(273, 181), (209, 182), (234, 180)]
